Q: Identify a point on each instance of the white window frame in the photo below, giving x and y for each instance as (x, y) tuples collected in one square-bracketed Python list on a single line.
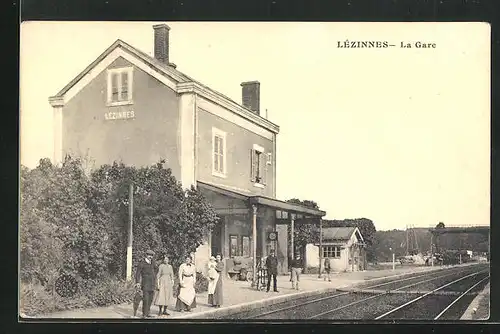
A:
[(261, 150), (334, 250), (109, 87), (221, 134)]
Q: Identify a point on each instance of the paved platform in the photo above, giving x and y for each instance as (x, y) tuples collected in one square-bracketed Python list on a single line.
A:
[(241, 293)]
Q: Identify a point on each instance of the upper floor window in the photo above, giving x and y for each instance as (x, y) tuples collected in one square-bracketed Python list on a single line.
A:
[(259, 163), (120, 86), (219, 152)]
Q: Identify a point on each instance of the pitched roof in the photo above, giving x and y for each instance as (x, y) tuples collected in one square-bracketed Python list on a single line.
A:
[(163, 69), (338, 233)]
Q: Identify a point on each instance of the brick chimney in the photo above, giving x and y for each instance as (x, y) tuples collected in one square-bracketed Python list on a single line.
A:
[(251, 96), (161, 42)]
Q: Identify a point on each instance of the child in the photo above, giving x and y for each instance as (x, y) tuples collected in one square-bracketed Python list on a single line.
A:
[(327, 269)]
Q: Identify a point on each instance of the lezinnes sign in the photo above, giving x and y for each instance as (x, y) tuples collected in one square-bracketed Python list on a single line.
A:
[(119, 115)]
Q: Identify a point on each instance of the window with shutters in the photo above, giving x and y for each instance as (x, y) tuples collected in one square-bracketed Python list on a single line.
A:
[(219, 153), (259, 166), (119, 86)]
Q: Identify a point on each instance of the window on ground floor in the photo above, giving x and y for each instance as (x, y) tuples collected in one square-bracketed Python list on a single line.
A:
[(245, 243), (331, 252), (239, 245)]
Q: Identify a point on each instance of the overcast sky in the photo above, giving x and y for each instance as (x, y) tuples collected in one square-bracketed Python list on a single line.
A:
[(399, 136)]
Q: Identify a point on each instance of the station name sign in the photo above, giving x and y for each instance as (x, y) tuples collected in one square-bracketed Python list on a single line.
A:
[(119, 115)]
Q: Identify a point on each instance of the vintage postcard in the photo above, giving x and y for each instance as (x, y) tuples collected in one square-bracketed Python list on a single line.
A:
[(259, 170)]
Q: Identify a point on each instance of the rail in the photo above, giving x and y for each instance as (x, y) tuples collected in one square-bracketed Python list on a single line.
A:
[(295, 305), (425, 295)]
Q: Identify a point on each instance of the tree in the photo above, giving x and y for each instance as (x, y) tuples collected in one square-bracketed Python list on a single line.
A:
[(440, 225), (167, 219), (306, 231), (75, 222)]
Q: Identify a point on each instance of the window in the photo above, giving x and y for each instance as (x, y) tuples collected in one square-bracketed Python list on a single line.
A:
[(120, 86), (245, 242), (239, 245), (219, 152), (281, 214), (233, 246), (331, 252), (259, 170)]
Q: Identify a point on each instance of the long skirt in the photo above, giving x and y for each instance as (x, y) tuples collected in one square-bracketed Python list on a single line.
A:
[(218, 293), (186, 299), (181, 306), (164, 291)]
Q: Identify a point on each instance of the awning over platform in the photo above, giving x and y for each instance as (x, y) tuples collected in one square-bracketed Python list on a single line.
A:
[(262, 200)]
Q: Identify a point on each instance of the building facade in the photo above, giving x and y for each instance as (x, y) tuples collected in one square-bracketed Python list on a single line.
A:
[(342, 246), (128, 106)]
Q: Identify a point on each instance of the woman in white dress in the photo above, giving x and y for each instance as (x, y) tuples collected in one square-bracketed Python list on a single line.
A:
[(186, 300), (213, 277)]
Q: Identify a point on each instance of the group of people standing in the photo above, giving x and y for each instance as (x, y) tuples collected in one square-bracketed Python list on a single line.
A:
[(158, 289)]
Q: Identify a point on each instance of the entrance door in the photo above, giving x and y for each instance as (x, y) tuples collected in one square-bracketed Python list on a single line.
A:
[(217, 233)]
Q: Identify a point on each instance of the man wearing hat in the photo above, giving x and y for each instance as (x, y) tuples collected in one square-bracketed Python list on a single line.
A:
[(272, 270), (145, 279)]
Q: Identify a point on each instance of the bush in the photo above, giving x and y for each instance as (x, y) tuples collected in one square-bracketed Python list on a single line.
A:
[(36, 300), (108, 291), (201, 283)]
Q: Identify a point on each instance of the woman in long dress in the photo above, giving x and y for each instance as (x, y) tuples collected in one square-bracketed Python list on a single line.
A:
[(165, 283), (218, 292), (213, 277), (186, 300)]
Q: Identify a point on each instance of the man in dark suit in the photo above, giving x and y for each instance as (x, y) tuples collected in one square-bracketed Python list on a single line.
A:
[(272, 270), (145, 279)]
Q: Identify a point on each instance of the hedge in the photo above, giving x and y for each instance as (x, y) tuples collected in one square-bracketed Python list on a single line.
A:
[(73, 221)]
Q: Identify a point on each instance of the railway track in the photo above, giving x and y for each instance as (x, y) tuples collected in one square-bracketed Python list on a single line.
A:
[(436, 295)]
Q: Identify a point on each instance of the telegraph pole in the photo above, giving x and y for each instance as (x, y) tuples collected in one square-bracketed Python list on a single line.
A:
[(320, 246)]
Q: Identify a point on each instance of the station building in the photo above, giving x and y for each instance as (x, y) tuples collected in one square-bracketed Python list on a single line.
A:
[(129, 106)]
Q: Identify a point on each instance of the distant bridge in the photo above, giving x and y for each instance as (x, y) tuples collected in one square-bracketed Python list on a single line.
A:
[(483, 229)]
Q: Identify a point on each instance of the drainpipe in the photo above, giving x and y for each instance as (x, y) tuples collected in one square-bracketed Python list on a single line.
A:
[(254, 241)]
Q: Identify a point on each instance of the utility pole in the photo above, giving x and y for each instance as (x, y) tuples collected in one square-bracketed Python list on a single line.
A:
[(130, 230), (320, 246), (432, 249), (407, 241)]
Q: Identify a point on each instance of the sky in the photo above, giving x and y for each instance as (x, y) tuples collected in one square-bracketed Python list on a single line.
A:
[(397, 135)]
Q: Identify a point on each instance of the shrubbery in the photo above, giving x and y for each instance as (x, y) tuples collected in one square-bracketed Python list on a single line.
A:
[(74, 222), (38, 300)]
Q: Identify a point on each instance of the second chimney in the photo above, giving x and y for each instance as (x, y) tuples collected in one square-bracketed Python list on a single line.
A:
[(251, 96), (161, 42)]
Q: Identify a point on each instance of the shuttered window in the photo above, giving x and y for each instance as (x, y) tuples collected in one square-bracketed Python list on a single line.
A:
[(219, 152), (120, 86), (258, 166)]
